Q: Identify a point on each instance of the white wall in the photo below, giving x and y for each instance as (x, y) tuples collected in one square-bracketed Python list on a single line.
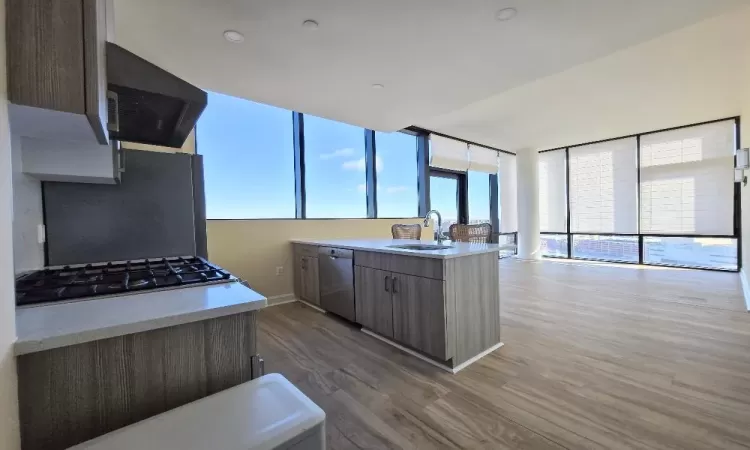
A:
[(9, 435), (745, 143), (28, 253)]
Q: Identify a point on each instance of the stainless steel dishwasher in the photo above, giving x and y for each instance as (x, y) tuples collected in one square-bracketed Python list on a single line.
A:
[(337, 281)]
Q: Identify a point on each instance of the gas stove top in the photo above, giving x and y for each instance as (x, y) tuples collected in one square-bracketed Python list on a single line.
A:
[(73, 282)]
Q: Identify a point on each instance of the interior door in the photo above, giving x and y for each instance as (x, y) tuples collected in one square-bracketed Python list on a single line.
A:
[(372, 300), (419, 319)]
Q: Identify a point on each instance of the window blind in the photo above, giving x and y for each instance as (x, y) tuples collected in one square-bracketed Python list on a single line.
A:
[(507, 184), (552, 204), (687, 180), (483, 159), (604, 187), (448, 153)]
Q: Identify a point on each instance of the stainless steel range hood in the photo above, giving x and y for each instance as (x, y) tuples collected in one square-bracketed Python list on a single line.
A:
[(147, 104)]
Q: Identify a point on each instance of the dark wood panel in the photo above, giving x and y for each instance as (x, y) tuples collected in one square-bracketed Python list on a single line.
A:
[(474, 281), (407, 265), (229, 346), (299, 275), (72, 394), (373, 304), (419, 319), (45, 54), (311, 280), (95, 66)]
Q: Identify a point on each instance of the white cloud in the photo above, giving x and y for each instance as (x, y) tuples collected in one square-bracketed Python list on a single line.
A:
[(396, 189), (342, 152), (359, 164), (362, 187)]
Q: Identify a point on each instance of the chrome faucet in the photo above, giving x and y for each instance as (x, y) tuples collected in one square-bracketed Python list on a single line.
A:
[(439, 224)]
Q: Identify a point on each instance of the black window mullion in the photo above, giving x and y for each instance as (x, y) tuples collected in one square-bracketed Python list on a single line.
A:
[(494, 205), (423, 174), (567, 202), (641, 249), (371, 174), (738, 198), (299, 166), (463, 198)]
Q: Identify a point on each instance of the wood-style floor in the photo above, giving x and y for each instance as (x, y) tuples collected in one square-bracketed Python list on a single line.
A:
[(595, 357)]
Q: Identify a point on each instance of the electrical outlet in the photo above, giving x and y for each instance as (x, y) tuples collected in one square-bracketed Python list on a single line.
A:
[(279, 270)]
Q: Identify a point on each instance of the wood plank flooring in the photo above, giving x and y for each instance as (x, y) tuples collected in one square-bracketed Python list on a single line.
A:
[(596, 357)]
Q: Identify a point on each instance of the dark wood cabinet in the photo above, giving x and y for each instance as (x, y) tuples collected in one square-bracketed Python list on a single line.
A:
[(373, 301), (306, 283), (57, 80), (419, 319)]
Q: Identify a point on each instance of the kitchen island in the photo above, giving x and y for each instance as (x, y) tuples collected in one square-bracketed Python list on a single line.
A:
[(439, 304), (88, 367)]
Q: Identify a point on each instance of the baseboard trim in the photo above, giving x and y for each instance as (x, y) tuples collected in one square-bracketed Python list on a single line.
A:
[(310, 305), (453, 370), (477, 358), (745, 289), (281, 299)]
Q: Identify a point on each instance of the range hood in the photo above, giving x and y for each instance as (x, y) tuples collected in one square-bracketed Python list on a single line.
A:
[(147, 104)]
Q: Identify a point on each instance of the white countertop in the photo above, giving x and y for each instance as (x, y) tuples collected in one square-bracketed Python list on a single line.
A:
[(62, 324), (457, 249)]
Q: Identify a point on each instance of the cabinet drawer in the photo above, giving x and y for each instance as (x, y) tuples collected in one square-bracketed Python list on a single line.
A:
[(306, 250), (409, 265)]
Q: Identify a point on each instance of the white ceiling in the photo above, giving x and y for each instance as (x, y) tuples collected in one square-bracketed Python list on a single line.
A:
[(433, 56)]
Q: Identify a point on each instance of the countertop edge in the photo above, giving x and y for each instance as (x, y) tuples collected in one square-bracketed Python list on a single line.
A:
[(25, 347), (393, 251)]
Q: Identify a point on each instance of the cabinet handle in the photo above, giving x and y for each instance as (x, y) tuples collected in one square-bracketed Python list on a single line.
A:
[(387, 278), (393, 285), (113, 110), (304, 264)]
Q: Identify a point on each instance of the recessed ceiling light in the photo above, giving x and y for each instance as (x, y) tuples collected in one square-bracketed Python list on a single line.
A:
[(506, 14), (310, 25), (234, 37), (377, 86)]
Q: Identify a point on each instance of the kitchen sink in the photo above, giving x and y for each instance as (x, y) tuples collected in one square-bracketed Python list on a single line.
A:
[(421, 246)]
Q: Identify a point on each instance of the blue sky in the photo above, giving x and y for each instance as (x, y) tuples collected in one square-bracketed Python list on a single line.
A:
[(248, 155)]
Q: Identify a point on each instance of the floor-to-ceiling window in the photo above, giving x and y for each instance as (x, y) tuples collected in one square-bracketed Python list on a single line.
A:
[(661, 198)]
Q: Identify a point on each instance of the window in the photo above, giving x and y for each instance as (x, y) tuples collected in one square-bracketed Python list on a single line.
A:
[(606, 248), (554, 245), (444, 198), (687, 180), (334, 169), (552, 203), (396, 174), (479, 197), (248, 159), (604, 187), (708, 253)]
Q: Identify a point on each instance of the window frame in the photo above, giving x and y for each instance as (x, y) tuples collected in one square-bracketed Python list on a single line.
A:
[(737, 226)]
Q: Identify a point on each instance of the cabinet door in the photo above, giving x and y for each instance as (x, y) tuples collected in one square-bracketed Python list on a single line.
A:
[(299, 275), (419, 314), (57, 65), (310, 283), (372, 300)]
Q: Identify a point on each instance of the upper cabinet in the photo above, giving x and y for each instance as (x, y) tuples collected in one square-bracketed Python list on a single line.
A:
[(57, 80)]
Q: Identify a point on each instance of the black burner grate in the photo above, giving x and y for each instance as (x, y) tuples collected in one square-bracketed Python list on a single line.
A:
[(90, 280)]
